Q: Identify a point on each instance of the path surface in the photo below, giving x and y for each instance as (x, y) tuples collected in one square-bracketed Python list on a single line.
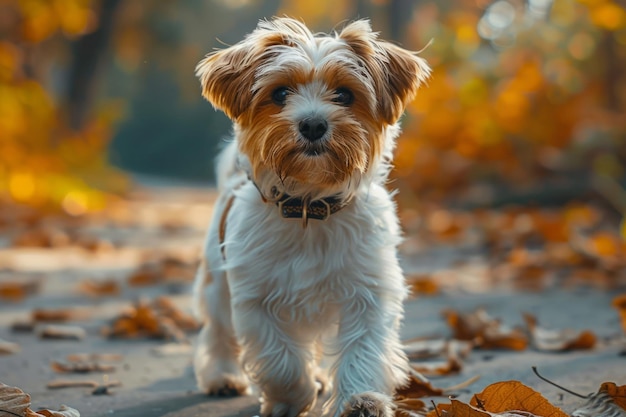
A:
[(154, 385)]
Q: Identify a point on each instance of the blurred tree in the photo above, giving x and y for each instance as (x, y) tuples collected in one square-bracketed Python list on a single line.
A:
[(43, 161), (87, 60)]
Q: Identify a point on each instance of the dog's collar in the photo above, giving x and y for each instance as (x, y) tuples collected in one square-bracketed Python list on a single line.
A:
[(291, 207), (295, 207)]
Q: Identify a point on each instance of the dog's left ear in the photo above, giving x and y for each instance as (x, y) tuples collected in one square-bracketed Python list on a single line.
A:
[(397, 73), (226, 77)]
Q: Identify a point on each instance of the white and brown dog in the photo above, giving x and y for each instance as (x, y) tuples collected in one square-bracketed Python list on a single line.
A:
[(301, 255)]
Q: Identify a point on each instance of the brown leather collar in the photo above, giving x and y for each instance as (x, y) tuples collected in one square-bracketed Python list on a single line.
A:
[(291, 207), (298, 208)]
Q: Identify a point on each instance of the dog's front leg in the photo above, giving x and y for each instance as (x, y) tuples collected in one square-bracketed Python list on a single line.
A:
[(370, 362), (278, 356)]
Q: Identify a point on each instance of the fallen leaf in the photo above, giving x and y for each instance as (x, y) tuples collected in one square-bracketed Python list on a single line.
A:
[(617, 393), (7, 348), (513, 395), (420, 349), (176, 269), (484, 331), (168, 309), (422, 285), (417, 387), (619, 303), (41, 238), (66, 383), (457, 409), (452, 363), (94, 357), (610, 401), (72, 383), (61, 332), (558, 340), (53, 315), (106, 288), (81, 367), (18, 290), (13, 400), (64, 411), (158, 319), (144, 276), (410, 407)]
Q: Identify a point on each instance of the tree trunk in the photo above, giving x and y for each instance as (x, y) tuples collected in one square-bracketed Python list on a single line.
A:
[(87, 56)]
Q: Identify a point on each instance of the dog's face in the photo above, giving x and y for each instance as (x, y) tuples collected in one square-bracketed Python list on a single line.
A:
[(311, 109)]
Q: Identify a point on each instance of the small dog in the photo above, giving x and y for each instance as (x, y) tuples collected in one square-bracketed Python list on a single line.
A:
[(300, 258)]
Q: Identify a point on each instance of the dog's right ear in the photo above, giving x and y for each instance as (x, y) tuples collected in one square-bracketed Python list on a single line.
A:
[(228, 75)]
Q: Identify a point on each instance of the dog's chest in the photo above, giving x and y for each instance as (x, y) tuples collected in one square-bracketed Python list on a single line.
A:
[(298, 274)]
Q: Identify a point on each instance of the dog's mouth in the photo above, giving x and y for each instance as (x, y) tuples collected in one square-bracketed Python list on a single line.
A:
[(314, 149)]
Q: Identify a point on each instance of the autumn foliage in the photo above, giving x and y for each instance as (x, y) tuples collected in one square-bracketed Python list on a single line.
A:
[(43, 161), (522, 94)]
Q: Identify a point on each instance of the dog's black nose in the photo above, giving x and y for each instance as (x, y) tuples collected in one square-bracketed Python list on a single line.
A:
[(313, 128)]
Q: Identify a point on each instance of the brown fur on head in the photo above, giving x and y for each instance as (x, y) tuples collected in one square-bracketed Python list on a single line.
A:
[(351, 84)]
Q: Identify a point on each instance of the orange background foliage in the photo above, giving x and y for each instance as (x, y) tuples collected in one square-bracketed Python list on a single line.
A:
[(524, 93)]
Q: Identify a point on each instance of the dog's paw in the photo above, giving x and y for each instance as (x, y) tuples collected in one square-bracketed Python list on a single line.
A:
[(225, 386), (369, 404), (272, 409)]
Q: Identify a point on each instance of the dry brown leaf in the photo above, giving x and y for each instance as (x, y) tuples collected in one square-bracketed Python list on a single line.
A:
[(13, 400), (84, 383), (514, 396), (617, 393), (54, 315), (497, 338), (144, 276), (422, 285), (81, 368), (457, 409), (558, 340), (485, 331), (61, 332), (419, 349), (439, 368), (158, 319), (410, 407), (619, 303), (18, 290), (106, 288), (67, 383), (94, 357), (610, 401), (167, 308), (41, 238), (452, 364), (176, 269), (7, 348), (417, 387), (63, 411)]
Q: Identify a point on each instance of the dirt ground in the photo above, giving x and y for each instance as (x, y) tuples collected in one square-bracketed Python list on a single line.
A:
[(170, 222)]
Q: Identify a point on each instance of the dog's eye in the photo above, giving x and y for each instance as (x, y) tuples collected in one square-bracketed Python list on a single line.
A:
[(343, 96), (279, 96)]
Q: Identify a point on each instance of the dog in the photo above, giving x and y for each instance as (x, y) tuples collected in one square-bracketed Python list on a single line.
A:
[(300, 260)]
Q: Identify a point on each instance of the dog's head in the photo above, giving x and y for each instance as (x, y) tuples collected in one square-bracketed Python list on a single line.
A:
[(312, 109)]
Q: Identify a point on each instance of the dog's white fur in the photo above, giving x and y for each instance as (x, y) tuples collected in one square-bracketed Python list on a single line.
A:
[(272, 293)]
